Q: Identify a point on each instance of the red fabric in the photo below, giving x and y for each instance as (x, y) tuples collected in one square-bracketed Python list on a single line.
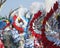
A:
[(55, 6), (35, 17), (1, 44), (14, 17), (20, 29), (34, 33)]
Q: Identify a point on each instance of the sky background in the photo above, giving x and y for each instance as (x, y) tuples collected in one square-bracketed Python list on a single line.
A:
[(12, 4)]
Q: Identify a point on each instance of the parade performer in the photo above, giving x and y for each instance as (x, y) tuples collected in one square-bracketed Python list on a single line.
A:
[(20, 21), (46, 42)]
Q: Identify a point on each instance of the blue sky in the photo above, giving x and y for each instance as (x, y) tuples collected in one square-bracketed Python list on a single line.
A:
[(12, 4)]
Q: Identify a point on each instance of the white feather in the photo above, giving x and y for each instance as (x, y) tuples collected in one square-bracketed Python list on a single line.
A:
[(36, 6), (22, 11), (49, 4)]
